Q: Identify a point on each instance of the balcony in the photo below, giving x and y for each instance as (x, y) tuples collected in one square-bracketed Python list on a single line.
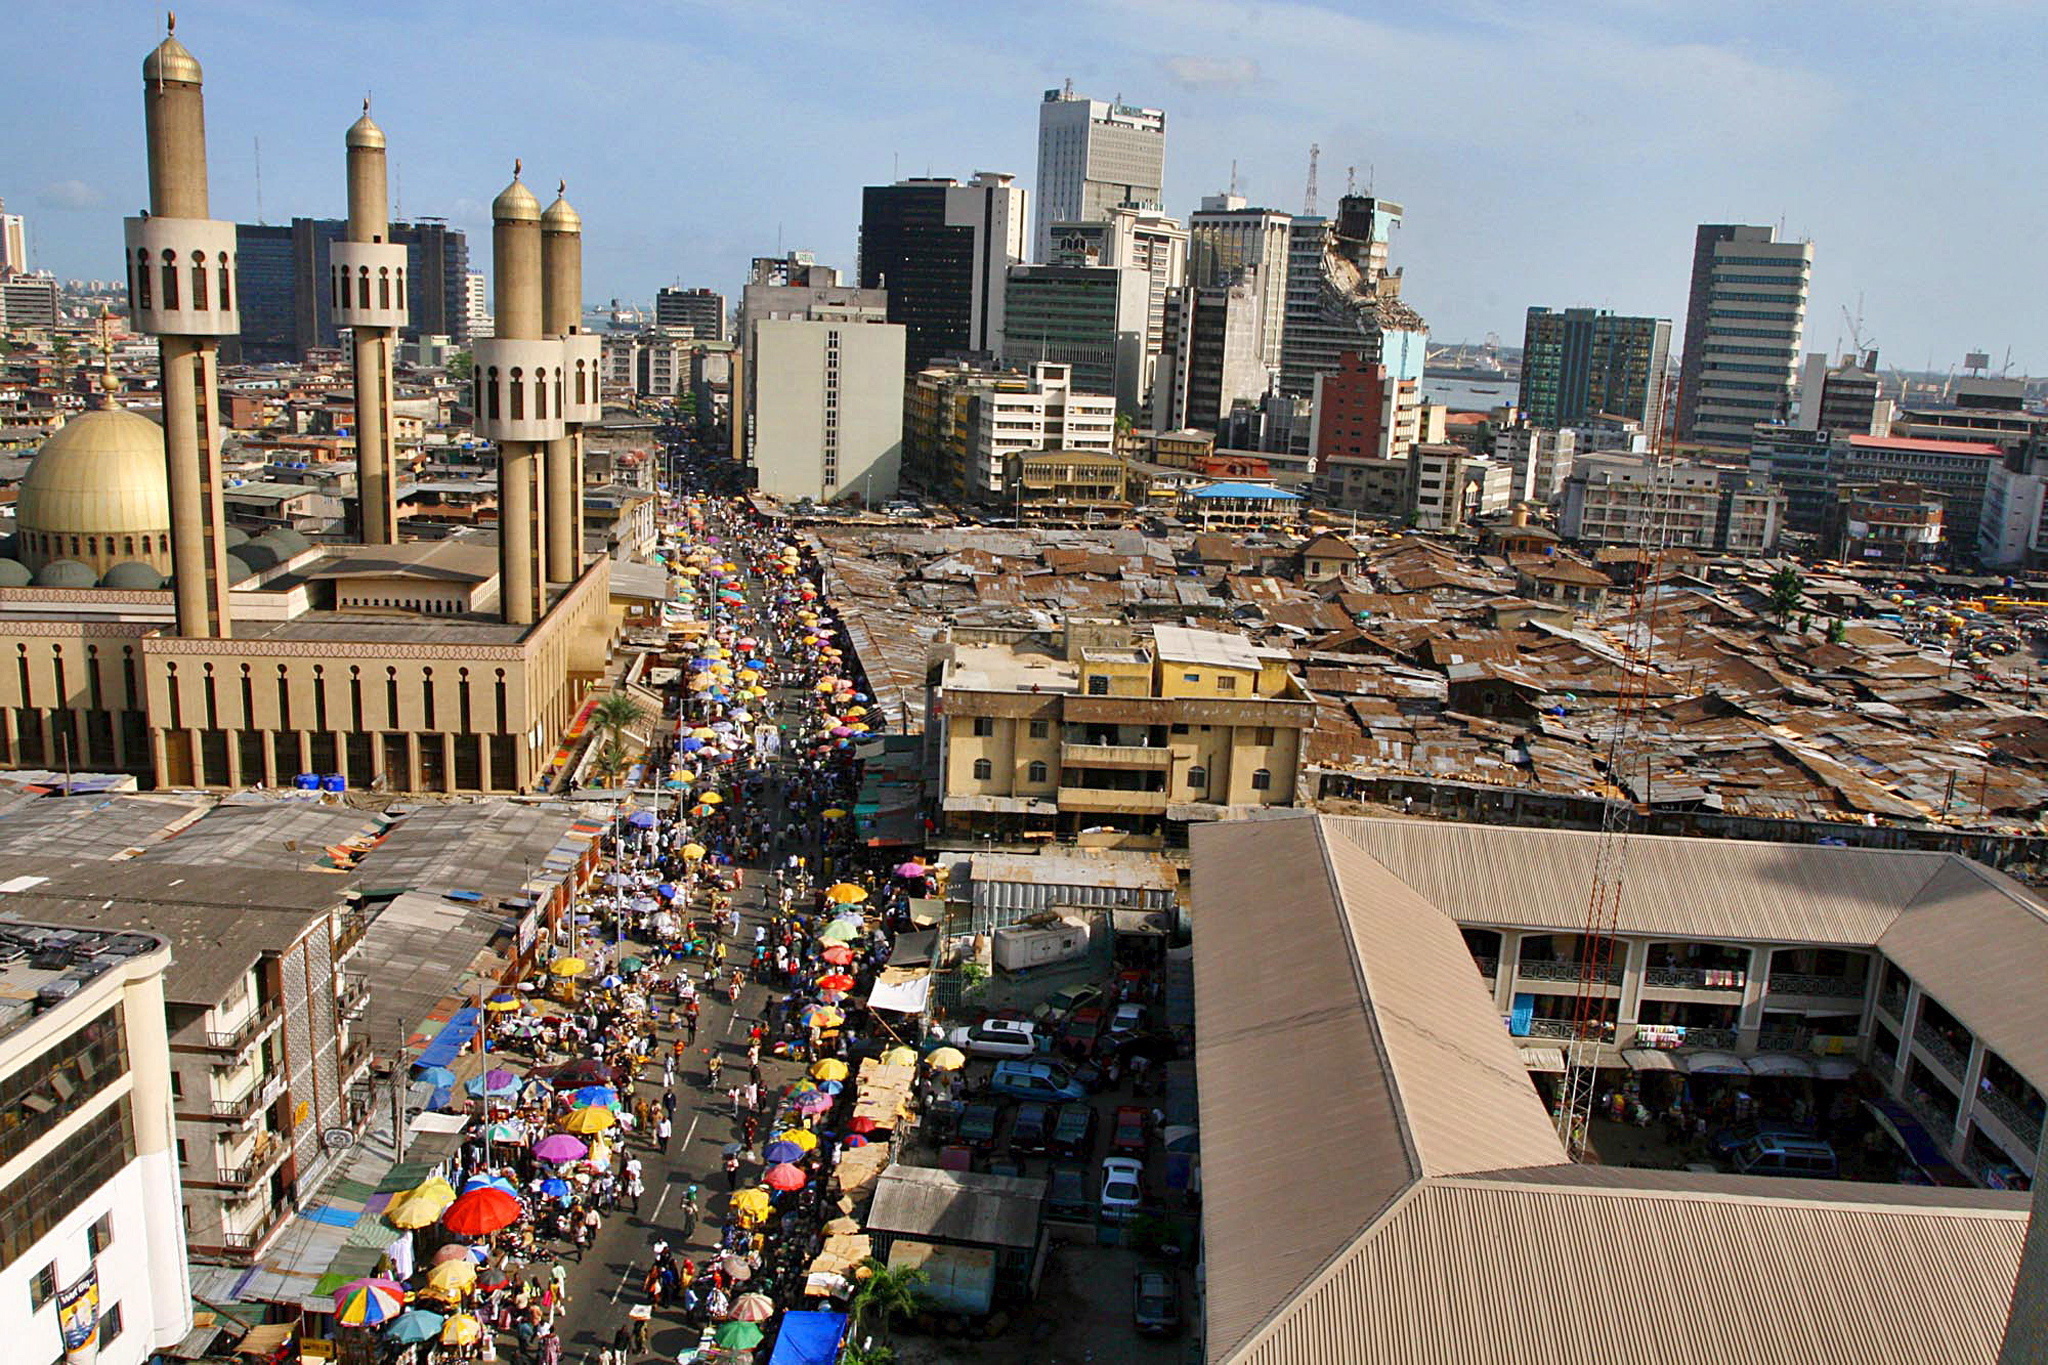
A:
[(1941, 1049), (353, 996), (1894, 1004), (268, 1157), (1553, 1028), (1115, 756), (1695, 978), (254, 1237), (2023, 1125), (1708, 1040), (1489, 967), (235, 1040), (1784, 1039), (354, 1058), (1117, 802), (1565, 971), (1929, 1111), (260, 1097), (350, 937), (1832, 987)]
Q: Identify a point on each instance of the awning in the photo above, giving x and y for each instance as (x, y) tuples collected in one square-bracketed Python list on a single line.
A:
[(453, 1037), (808, 1339), (1835, 1068), (264, 1340), (904, 989), (914, 948), (1542, 1058), (1780, 1064), (1650, 1059), (1716, 1064)]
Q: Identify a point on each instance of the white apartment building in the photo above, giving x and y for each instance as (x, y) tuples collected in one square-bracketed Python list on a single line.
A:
[(1141, 239), (1540, 460), (1639, 500), (828, 407), (92, 1239), (477, 306), (1450, 487), (1094, 156), (13, 242), (2012, 530), (1048, 415), (1745, 320), (1226, 238)]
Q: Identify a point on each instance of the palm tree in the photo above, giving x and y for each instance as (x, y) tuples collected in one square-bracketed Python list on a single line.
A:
[(884, 1295), (617, 714)]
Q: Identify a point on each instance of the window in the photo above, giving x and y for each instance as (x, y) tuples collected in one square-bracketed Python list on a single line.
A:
[(110, 1323), (1035, 773), (42, 1288), (1226, 684), (1191, 677), (1040, 729), (1262, 735), (100, 1235), (983, 770), (984, 726), (1098, 685), (1262, 780), (1198, 778), (41, 1197)]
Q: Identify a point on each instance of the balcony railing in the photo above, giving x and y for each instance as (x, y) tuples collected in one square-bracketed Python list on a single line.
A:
[(1894, 1004), (269, 1156), (1114, 756), (259, 1097), (1941, 1049), (354, 995), (1784, 1039), (1939, 1124), (1708, 1039), (1106, 799), (236, 1039), (1553, 1028), (1489, 967), (250, 1240), (2023, 1125), (351, 935), (1565, 971), (355, 1057), (1695, 978), (1834, 987)]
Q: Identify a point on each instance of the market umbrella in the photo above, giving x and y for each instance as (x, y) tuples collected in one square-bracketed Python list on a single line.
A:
[(413, 1326), (861, 1123), (835, 981), (485, 1210), (779, 1151), (569, 966), (414, 1210), (845, 893), (496, 1081), (560, 1147), (595, 1094), (490, 1181), (784, 1176), (828, 1069), (693, 852), (632, 963), (504, 1132), (801, 1137), (823, 1016), (753, 1202), (504, 1002), (454, 1251), (588, 1121), (813, 1102), (641, 819), (736, 1268), (946, 1059), (831, 1087), (610, 982), (462, 1329), (711, 798), (554, 1187), (753, 1308), (436, 1076), (452, 1277), (910, 869), (581, 1072), (365, 1303), (839, 931), (737, 1336), (856, 1140), (900, 1056), (838, 955)]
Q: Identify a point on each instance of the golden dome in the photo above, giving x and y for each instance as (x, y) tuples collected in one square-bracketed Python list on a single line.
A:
[(516, 204), (364, 132), (560, 217), (101, 473), (170, 61)]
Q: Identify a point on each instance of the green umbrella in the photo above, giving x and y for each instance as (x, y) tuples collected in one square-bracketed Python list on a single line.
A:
[(414, 1325), (630, 964), (838, 931), (737, 1336)]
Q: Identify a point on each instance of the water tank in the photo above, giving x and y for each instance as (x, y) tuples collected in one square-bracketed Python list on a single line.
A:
[(307, 782), (334, 782)]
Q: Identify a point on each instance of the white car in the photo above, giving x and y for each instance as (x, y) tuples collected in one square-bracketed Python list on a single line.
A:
[(996, 1038), (1123, 1187)]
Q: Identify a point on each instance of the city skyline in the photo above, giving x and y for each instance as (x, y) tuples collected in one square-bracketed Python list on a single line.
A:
[(1518, 191)]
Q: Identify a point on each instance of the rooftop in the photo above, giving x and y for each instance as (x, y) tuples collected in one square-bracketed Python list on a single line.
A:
[(1004, 668), (43, 965)]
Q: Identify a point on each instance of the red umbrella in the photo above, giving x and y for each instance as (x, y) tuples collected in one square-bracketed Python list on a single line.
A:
[(835, 981), (482, 1211), (784, 1177), (861, 1123), (839, 955)]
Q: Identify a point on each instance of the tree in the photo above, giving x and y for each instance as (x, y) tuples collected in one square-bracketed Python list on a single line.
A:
[(459, 366), (1838, 631), (1786, 591), (611, 759), (883, 1296)]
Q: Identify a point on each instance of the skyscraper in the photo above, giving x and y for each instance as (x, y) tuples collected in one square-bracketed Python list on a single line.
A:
[(1091, 318), (1227, 237), (1094, 156), (281, 273), (13, 242), (1744, 320), (941, 249), (1586, 362), (1341, 297), (700, 310), (1142, 239)]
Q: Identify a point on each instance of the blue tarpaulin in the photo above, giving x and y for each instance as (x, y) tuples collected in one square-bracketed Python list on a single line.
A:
[(808, 1339), (453, 1037)]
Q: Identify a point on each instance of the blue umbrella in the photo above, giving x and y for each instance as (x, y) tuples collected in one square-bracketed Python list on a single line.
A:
[(594, 1094), (831, 1087), (496, 1182), (666, 890), (436, 1076), (777, 1152), (692, 744), (641, 819), (414, 1325), (610, 982), (555, 1187)]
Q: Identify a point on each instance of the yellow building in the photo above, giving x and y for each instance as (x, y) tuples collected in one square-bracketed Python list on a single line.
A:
[(1053, 485), (1100, 730)]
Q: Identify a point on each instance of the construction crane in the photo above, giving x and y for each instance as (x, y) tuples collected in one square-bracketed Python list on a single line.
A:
[(1308, 200), (1593, 1008)]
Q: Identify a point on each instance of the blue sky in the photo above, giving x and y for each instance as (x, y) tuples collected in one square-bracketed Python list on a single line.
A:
[(1546, 153)]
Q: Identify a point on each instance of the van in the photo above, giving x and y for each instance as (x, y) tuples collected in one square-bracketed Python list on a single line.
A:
[(1786, 1154), (1035, 1081)]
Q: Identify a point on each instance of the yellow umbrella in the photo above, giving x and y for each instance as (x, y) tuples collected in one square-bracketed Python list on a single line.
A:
[(802, 1137), (413, 1210), (946, 1059), (506, 1006), (452, 1276), (591, 1119), (828, 1069), (899, 1056), (711, 798), (754, 1203), (569, 966), (434, 1187), (461, 1330), (845, 893), (693, 852)]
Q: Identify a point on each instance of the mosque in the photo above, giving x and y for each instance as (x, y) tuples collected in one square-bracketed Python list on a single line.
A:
[(140, 633)]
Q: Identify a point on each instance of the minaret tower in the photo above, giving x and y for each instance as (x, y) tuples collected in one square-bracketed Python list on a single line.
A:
[(518, 381), (181, 288), (561, 261), (367, 284)]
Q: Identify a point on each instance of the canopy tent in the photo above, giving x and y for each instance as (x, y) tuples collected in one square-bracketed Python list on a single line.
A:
[(808, 1339)]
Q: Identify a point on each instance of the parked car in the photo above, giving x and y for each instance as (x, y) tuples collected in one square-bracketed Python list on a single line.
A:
[(996, 1038), (1079, 1035), (1065, 1001), (1779, 1154), (1073, 1130), (1030, 1128), (1035, 1081), (978, 1124), (1123, 1187), (1066, 1192), (1128, 1134), (1129, 1020), (1005, 1165), (1155, 1303), (1727, 1141)]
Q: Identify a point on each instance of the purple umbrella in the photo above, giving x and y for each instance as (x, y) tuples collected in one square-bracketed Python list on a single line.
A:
[(813, 1102), (560, 1147)]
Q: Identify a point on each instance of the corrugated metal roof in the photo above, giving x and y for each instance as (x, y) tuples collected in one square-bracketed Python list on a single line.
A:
[(957, 1206), (1978, 943)]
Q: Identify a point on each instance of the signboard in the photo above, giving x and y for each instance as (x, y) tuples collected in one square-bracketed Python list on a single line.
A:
[(78, 1318), (529, 929)]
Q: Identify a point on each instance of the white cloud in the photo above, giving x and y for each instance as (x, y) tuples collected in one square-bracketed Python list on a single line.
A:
[(70, 194), (1212, 73)]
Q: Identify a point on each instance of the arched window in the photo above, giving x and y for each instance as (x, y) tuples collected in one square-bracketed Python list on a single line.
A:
[(1198, 778), (540, 394), (200, 296), (170, 279), (138, 284), (383, 286), (227, 277), (580, 398), (92, 545), (983, 769), (494, 393), (337, 282), (401, 286), (1262, 780), (1035, 773), (74, 547), (518, 394), (558, 393)]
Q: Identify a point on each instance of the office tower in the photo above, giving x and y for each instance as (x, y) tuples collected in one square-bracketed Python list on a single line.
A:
[(828, 407), (1091, 318), (702, 311), (1341, 297), (1226, 237), (1584, 363), (13, 242), (1744, 319), (1845, 397), (1213, 356), (941, 250), (765, 301), (796, 270), (1093, 157), (1360, 409), (1140, 239), (28, 301), (282, 273), (476, 304)]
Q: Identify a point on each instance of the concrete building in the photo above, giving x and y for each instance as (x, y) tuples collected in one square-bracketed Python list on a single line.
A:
[(1362, 410), (1068, 486), (1957, 471), (27, 301), (476, 304), (1450, 488), (13, 242), (1047, 412), (1341, 297), (768, 301), (1093, 319), (1586, 362), (2012, 528), (1539, 460), (1745, 318), (1226, 238), (942, 251), (283, 274), (1802, 464), (1659, 501), (1211, 359), (700, 311), (1093, 157), (1099, 728), (1846, 397), (793, 270), (828, 408), (1980, 409), (1143, 239), (1886, 523), (92, 1242)]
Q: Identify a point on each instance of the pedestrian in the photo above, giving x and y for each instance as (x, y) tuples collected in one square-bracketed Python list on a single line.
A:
[(662, 1130), (732, 1171)]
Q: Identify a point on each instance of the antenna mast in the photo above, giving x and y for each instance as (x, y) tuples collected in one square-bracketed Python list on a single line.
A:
[(259, 182), (1308, 200)]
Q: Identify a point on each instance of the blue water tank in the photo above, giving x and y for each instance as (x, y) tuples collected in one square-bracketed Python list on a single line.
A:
[(334, 782), (307, 782)]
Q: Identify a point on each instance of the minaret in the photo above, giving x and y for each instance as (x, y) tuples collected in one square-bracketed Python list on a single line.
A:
[(518, 382), (367, 287), (181, 288), (561, 257)]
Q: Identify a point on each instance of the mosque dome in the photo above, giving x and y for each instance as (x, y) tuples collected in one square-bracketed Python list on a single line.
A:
[(364, 132), (233, 536), (284, 541), (255, 557), (14, 574), (96, 492), (66, 573), (133, 576), (171, 61), (515, 204), (560, 217), (238, 567)]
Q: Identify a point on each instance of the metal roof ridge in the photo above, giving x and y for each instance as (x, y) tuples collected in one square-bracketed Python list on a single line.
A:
[(1505, 1179)]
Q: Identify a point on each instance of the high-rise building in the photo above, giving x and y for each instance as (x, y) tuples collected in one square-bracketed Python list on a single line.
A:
[(1844, 398), (1744, 319), (1584, 362), (700, 310), (1045, 413), (1142, 239), (1227, 237), (1341, 297), (1364, 410), (796, 270), (1091, 318), (476, 304), (828, 408), (28, 301), (288, 309), (941, 249), (13, 242), (1092, 157), (765, 301), (1212, 358)]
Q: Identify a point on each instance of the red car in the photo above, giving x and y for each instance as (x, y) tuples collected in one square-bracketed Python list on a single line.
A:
[(1129, 1133), (1077, 1037)]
